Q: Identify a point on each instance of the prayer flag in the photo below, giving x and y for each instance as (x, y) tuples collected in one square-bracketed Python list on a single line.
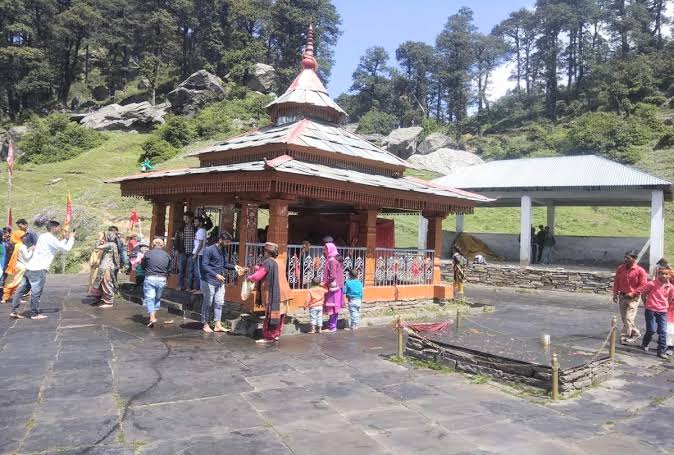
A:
[(69, 213), (10, 157)]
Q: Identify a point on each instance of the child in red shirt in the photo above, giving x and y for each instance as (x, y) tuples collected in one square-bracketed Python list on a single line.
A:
[(660, 299)]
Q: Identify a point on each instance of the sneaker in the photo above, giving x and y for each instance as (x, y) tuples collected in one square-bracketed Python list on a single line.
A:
[(38, 316), (662, 355), (669, 351), (644, 348), (105, 305), (331, 330), (15, 315)]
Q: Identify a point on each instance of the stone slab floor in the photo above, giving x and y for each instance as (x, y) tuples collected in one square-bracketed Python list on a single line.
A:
[(93, 381)]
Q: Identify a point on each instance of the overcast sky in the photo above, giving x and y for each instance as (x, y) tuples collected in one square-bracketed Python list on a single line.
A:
[(388, 23)]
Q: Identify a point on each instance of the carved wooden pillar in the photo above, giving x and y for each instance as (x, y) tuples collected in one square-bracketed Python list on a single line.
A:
[(278, 226), (247, 228), (434, 241), (367, 237), (158, 224), (176, 210)]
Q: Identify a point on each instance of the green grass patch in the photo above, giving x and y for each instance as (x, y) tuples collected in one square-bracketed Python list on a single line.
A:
[(480, 379)]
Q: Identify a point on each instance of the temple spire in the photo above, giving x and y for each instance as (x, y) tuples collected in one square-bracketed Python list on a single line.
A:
[(308, 60)]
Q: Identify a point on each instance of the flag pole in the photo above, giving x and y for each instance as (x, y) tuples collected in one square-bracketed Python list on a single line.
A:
[(9, 195)]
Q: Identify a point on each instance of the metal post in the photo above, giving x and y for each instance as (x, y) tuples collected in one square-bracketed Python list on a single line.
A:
[(458, 321), (614, 330), (555, 377), (399, 329)]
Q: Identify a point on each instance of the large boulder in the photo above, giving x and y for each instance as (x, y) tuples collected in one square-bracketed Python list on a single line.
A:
[(433, 142), (195, 92), (403, 141), (261, 78), (134, 116), (444, 160)]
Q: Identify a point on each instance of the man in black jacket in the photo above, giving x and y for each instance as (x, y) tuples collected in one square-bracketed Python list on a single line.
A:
[(215, 262), (183, 243)]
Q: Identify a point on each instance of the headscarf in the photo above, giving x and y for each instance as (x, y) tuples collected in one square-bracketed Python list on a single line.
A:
[(330, 250), (17, 240)]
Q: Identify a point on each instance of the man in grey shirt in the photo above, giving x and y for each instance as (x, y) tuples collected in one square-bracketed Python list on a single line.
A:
[(157, 266)]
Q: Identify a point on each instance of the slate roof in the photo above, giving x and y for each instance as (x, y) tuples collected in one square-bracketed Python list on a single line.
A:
[(291, 166), (322, 136), (583, 171)]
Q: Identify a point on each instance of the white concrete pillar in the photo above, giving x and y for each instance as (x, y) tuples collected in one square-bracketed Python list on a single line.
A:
[(525, 231), (423, 232), (459, 224), (657, 228), (551, 218)]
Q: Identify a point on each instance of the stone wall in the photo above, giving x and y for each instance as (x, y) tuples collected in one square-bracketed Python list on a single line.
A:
[(473, 362), (559, 279), (580, 250)]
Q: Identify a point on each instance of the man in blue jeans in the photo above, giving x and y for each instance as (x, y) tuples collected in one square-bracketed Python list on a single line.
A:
[(157, 266), (37, 267), (214, 263)]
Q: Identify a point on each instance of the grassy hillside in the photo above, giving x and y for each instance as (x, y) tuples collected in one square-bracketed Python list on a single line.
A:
[(100, 204)]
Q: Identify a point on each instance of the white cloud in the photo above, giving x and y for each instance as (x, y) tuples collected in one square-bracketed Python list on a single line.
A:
[(500, 82)]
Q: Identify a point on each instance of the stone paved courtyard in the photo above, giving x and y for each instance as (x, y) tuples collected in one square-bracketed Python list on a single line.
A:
[(97, 381)]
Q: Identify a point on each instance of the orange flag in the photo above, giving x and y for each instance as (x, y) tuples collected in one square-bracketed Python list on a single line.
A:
[(69, 213)]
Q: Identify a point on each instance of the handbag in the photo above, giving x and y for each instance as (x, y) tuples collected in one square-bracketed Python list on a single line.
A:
[(246, 289)]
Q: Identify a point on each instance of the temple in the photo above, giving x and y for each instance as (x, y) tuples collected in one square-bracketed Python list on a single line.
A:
[(309, 178)]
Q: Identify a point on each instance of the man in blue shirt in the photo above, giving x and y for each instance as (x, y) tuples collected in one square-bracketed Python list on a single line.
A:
[(215, 262)]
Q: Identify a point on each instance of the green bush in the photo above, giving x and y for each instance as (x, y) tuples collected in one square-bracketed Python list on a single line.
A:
[(377, 122), (216, 120), (607, 134), (57, 138), (157, 150), (666, 140), (177, 131)]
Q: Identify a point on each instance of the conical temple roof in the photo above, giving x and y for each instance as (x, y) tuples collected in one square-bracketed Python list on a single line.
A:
[(306, 96)]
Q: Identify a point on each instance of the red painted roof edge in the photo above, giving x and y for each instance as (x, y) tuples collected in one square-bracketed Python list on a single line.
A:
[(276, 162)]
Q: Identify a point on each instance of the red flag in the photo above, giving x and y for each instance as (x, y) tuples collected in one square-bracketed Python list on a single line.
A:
[(10, 157), (10, 220), (133, 219), (69, 213)]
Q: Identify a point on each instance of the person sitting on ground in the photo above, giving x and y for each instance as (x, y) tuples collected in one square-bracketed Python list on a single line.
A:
[(628, 284), (660, 296), (215, 264), (353, 289), (157, 265), (314, 304), (479, 259)]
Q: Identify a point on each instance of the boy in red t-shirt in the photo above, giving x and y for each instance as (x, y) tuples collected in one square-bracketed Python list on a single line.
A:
[(660, 296)]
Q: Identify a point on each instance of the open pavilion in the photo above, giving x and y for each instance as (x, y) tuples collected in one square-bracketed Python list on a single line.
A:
[(584, 180), (314, 178)]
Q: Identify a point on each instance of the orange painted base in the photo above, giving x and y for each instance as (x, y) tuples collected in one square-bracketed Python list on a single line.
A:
[(371, 294)]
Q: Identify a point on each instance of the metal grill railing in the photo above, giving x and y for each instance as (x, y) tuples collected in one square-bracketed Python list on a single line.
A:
[(254, 254), (305, 264), (232, 255), (396, 266)]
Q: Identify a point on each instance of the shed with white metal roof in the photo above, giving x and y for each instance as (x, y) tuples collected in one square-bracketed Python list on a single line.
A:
[(583, 180)]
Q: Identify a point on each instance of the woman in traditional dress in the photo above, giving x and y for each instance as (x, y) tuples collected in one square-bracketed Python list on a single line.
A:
[(95, 261), (333, 281), (16, 266), (273, 293), (459, 262), (105, 283)]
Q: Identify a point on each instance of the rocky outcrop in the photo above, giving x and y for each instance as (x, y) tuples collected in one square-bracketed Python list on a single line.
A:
[(433, 142), (403, 141), (261, 78), (444, 160), (134, 116), (14, 134), (195, 92)]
